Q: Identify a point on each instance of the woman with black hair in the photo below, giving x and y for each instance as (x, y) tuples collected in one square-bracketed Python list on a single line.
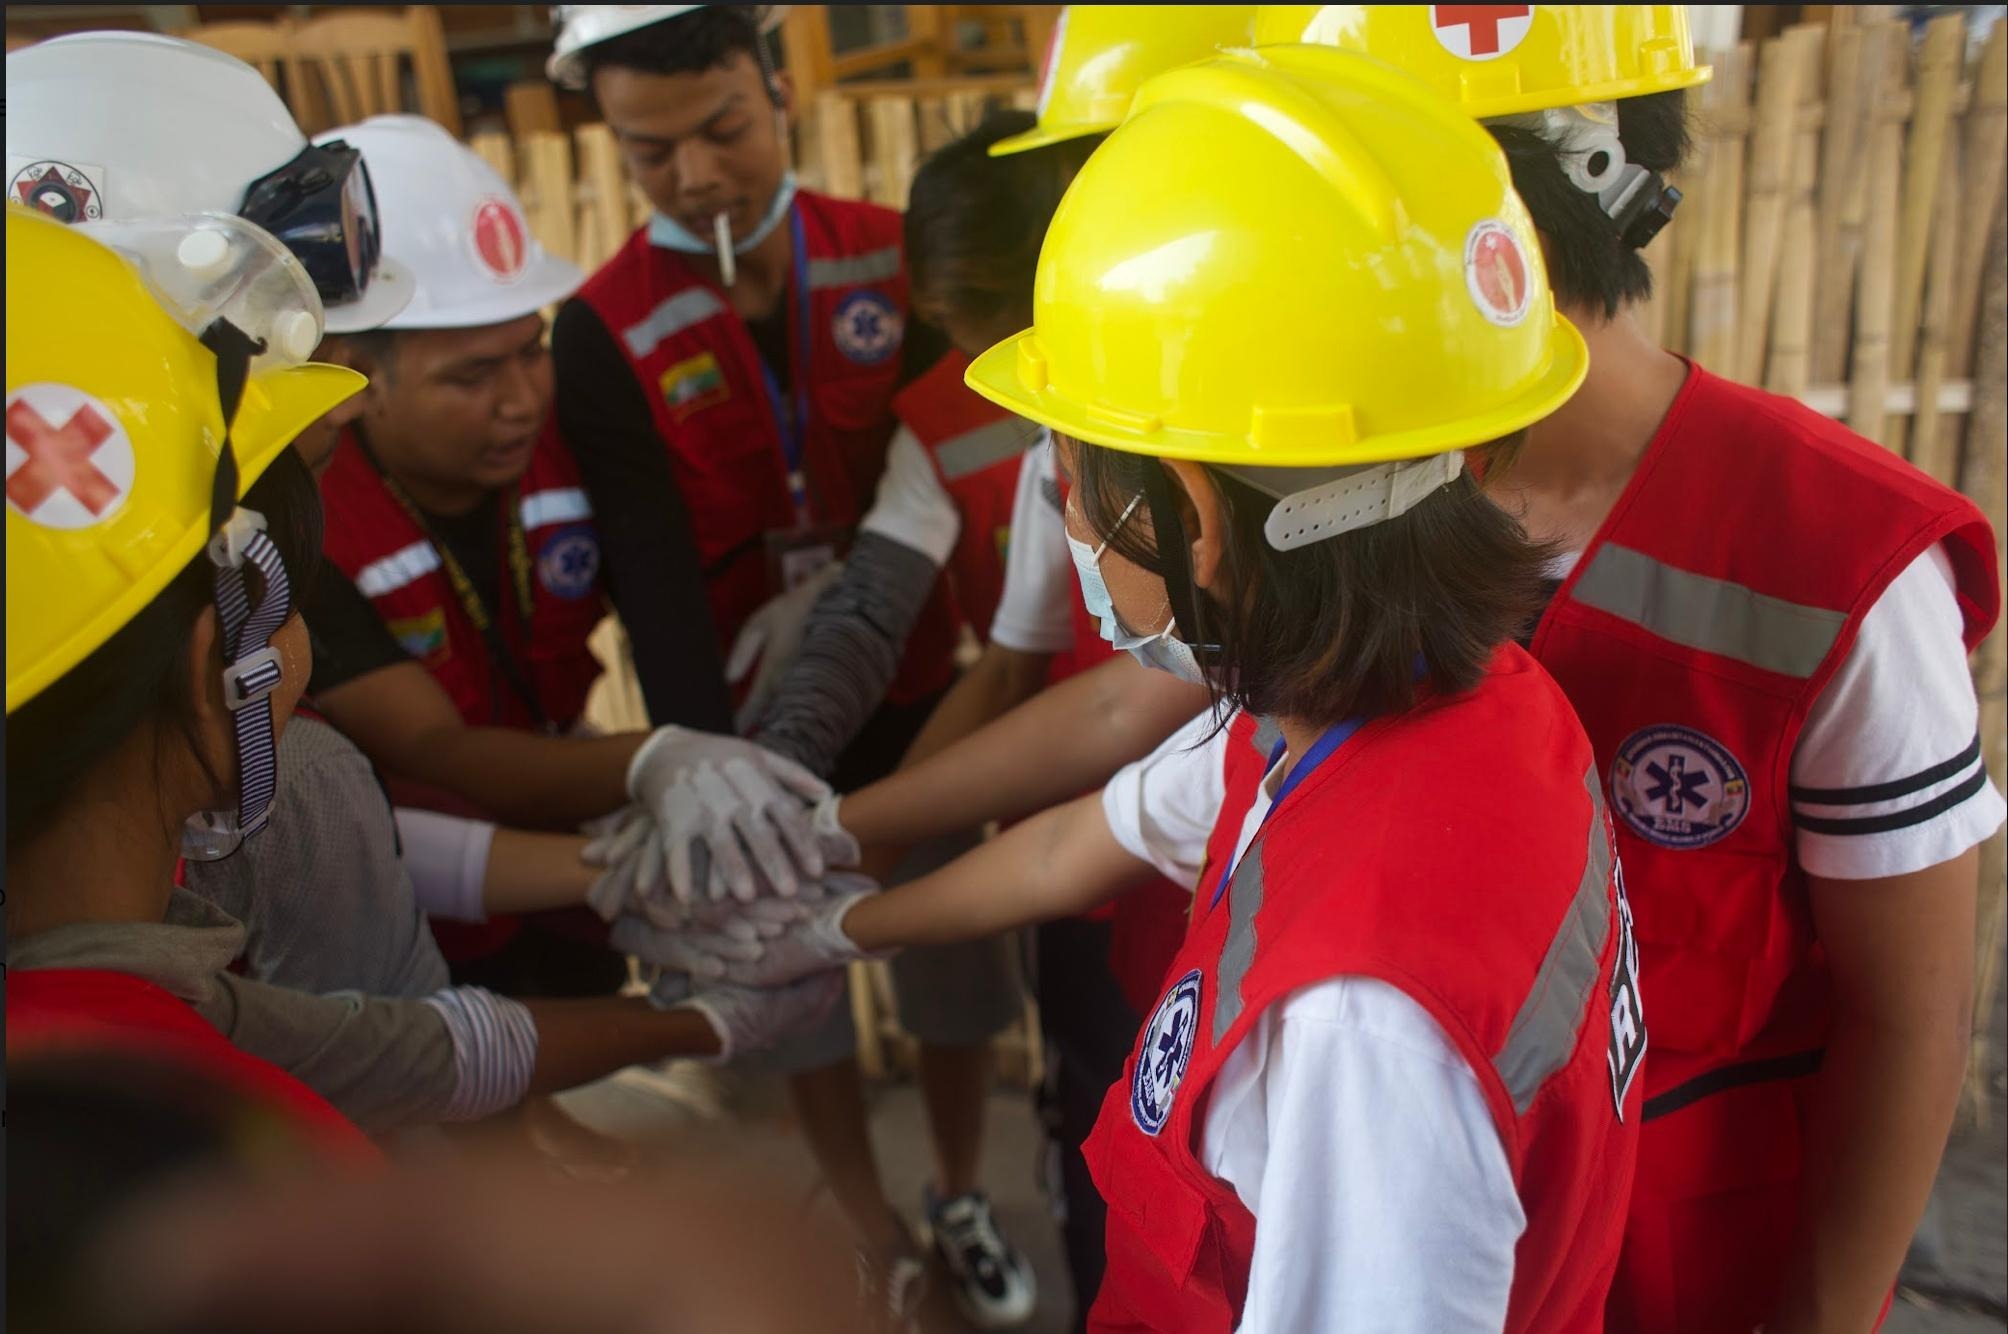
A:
[(1390, 1079)]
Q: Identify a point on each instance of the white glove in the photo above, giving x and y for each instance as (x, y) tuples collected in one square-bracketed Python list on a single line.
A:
[(730, 797), (700, 951), (834, 841), (635, 867), (813, 942), (772, 636), (747, 1019)]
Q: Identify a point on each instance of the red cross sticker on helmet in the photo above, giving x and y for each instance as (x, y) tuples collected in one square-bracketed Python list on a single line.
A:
[(1480, 32), (69, 461), (499, 242)]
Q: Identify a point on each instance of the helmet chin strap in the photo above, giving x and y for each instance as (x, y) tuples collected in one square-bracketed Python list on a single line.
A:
[(252, 669)]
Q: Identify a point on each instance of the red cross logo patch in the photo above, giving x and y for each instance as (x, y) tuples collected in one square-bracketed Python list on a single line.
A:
[(499, 242), (69, 461), (1480, 32), (1495, 273)]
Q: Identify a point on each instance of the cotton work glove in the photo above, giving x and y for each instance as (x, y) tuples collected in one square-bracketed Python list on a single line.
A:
[(730, 799), (812, 942), (748, 1018), (771, 637)]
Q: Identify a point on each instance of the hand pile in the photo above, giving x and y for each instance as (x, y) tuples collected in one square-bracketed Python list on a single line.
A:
[(718, 876)]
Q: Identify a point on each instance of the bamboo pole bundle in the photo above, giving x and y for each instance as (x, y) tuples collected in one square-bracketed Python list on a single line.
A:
[(1782, 68), (1788, 367), (547, 191), (1673, 270), (1854, 62), (498, 150), (603, 196), (1724, 119), (1983, 477), (1870, 364), (1935, 82), (1932, 448), (895, 150), (1981, 174), (833, 149)]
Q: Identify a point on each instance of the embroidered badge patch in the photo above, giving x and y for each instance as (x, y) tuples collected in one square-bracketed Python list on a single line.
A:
[(1678, 787), (693, 384), (1167, 1049), (569, 562), (421, 636), (867, 328), (67, 192), (70, 462)]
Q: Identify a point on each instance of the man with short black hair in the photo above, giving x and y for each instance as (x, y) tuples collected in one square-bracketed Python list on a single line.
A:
[(727, 379)]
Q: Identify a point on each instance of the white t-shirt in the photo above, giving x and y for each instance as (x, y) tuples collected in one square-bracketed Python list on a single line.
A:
[(912, 507), (1035, 613), (1382, 1196)]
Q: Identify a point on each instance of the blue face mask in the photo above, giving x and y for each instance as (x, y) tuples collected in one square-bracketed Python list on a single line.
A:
[(670, 234), (1162, 651)]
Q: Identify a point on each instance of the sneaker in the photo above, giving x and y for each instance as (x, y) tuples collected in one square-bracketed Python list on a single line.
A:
[(992, 1284), (892, 1284)]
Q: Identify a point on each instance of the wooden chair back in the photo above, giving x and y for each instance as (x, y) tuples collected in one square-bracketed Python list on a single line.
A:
[(355, 62)]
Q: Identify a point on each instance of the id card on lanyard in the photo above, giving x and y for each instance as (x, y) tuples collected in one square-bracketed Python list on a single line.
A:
[(796, 554), (1321, 750)]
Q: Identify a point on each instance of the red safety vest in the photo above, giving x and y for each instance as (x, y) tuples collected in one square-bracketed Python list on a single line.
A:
[(374, 541), (977, 449), (709, 392), (89, 1009), (1459, 851), (1701, 624)]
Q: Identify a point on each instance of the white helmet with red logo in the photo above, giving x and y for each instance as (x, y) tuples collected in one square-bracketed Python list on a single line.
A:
[(450, 220)]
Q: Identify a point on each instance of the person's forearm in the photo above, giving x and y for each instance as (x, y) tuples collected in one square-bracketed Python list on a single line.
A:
[(1001, 680), (579, 1041), (518, 777), (530, 872), (850, 652), (1061, 742), (1881, 1116), (1060, 862)]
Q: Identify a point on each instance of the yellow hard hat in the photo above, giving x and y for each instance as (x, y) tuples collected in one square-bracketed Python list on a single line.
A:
[(1296, 257), (1502, 60), (1101, 54), (114, 427)]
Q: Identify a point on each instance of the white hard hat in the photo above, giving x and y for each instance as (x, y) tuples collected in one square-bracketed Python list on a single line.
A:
[(128, 126), (589, 25), (450, 220)]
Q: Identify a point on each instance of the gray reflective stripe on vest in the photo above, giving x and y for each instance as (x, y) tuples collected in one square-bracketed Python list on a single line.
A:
[(973, 451), (688, 307), (1543, 1035), (1267, 734), (874, 266), (1712, 615), (1244, 900)]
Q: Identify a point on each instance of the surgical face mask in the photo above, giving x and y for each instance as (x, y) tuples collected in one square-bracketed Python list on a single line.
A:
[(1162, 651), (670, 234)]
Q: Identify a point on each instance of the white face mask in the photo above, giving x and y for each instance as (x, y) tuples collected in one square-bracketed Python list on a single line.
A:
[(1162, 650)]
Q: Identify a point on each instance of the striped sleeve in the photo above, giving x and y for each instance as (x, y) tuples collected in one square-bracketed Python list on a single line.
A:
[(494, 1050), (1888, 777)]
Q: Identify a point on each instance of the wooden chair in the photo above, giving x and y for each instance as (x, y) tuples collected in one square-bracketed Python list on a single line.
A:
[(354, 62), (1015, 39), (266, 47)]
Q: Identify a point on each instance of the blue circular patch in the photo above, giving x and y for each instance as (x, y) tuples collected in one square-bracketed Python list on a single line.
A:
[(1167, 1048), (1678, 787), (867, 328), (568, 565)]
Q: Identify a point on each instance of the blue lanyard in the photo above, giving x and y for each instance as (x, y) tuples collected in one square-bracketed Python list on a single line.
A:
[(794, 426), (1321, 750)]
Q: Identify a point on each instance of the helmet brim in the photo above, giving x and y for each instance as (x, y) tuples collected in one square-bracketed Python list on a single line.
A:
[(999, 375), (1045, 137), (546, 283), (390, 291)]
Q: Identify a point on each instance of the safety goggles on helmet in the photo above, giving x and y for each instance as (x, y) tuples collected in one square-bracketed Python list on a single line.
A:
[(322, 206)]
